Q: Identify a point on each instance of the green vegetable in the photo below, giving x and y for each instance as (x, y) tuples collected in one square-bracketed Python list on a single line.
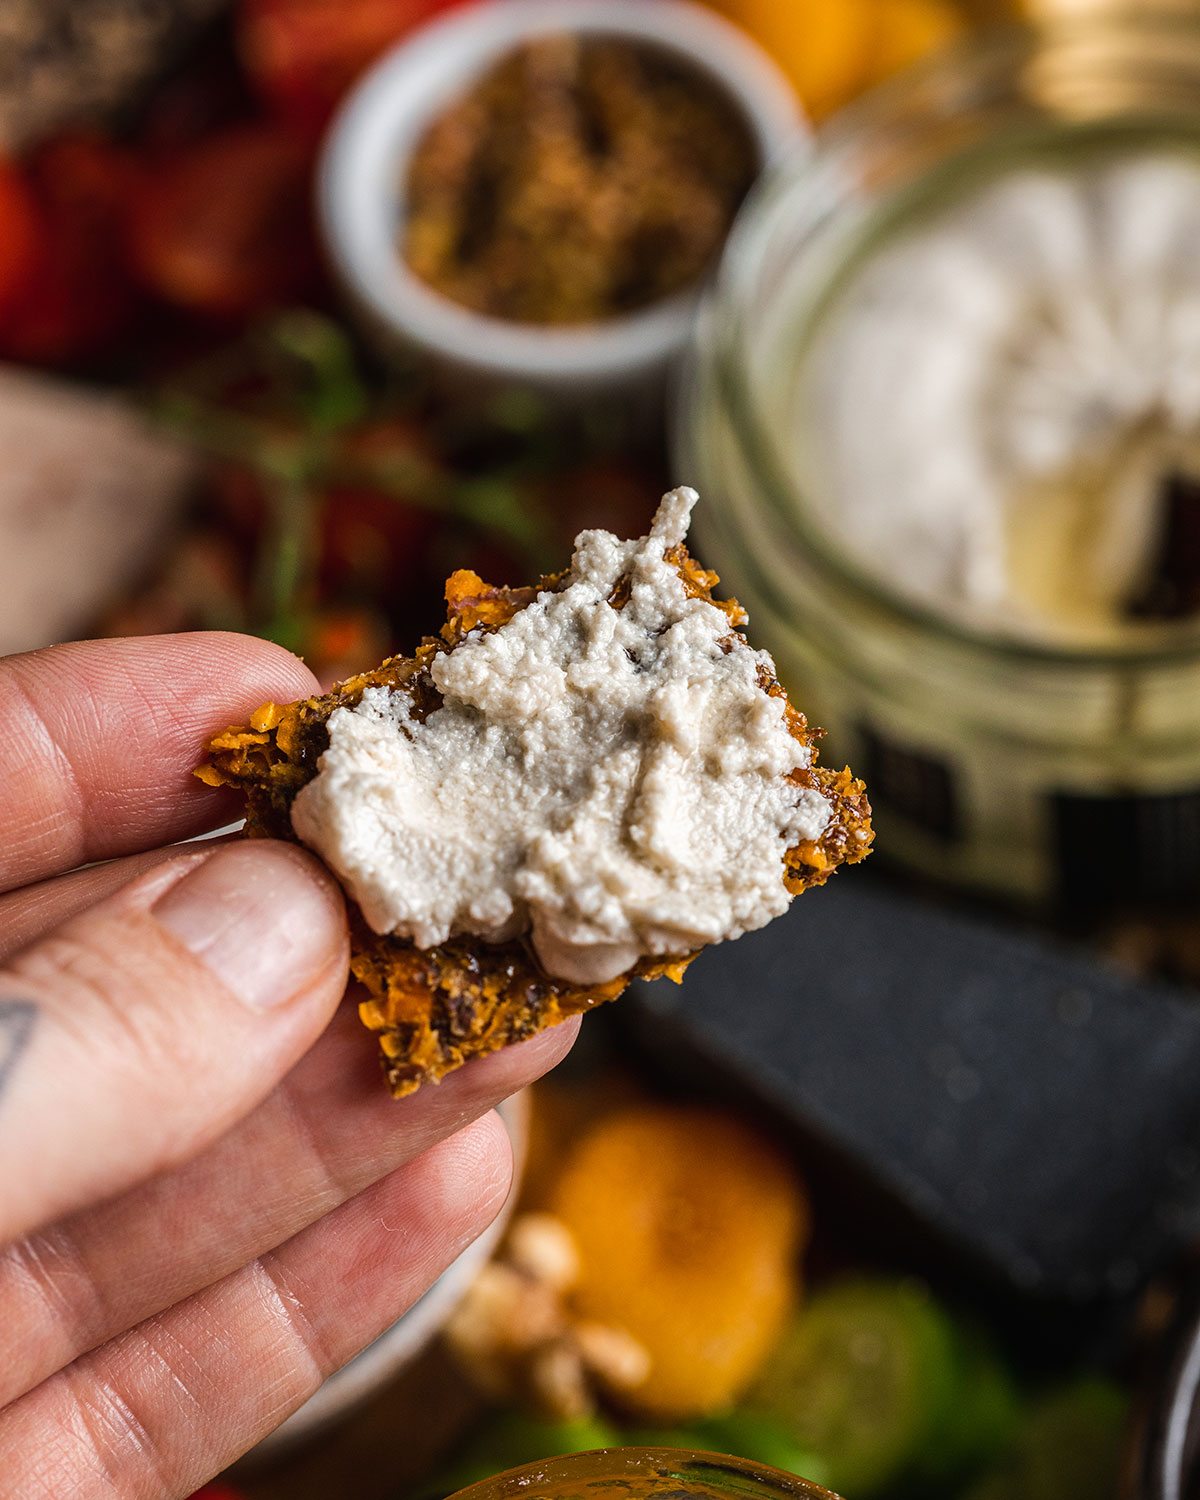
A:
[(1069, 1449), (1072, 1442), (1001, 1484), (982, 1421), (749, 1435), (865, 1379)]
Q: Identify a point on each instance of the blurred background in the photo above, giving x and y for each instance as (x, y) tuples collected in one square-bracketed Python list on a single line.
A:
[(306, 303)]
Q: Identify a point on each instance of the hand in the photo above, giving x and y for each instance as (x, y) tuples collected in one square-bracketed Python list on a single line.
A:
[(208, 1199)]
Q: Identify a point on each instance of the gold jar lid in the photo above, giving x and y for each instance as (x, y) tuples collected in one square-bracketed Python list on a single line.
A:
[(1061, 10)]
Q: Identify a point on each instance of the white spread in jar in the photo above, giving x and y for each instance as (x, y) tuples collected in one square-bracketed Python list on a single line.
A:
[(999, 394), (610, 781)]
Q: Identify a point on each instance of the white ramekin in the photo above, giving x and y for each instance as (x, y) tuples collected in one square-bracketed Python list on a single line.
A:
[(362, 174)]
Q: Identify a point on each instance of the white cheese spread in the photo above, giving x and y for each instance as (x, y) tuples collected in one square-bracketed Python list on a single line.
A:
[(999, 393), (609, 781)]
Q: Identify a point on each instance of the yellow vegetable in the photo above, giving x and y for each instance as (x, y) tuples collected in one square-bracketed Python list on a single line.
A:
[(688, 1225), (908, 30), (558, 1114), (822, 45), (833, 49)]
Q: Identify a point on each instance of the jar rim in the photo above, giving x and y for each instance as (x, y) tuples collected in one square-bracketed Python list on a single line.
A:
[(739, 1478)]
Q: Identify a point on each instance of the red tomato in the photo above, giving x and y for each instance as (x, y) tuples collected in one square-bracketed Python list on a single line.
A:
[(372, 541), (225, 228), (218, 1491), (19, 234), (76, 297), (238, 500), (371, 544), (340, 642), (304, 54)]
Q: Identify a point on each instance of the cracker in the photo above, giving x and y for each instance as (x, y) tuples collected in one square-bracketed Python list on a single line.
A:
[(435, 1008)]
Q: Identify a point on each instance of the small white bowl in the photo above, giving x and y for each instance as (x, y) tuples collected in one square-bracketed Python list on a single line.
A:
[(362, 176)]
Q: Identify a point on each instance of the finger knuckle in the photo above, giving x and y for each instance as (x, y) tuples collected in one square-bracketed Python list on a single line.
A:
[(54, 1306), (95, 984), (287, 1312)]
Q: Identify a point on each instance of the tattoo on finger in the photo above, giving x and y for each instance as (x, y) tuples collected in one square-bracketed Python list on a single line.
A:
[(16, 1027)]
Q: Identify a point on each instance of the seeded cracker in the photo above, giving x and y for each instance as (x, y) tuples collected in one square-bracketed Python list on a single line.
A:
[(434, 1007)]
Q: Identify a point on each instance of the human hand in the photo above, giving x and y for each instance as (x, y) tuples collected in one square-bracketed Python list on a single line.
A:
[(207, 1198)]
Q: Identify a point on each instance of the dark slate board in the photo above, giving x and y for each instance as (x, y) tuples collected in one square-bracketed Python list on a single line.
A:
[(1034, 1107)]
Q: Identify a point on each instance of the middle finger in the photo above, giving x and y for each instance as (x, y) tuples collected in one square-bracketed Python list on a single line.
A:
[(325, 1134)]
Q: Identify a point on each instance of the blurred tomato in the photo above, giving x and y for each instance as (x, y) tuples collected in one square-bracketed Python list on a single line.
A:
[(19, 233), (207, 94), (237, 500), (225, 227), (373, 534), (337, 643), (218, 1491), (371, 544), (304, 54), (76, 297)]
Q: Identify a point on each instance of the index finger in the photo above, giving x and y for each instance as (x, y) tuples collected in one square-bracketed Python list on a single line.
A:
[(100, 737)]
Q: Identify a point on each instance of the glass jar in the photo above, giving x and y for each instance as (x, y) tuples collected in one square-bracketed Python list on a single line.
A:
[(1031, 770), (643, 1474)]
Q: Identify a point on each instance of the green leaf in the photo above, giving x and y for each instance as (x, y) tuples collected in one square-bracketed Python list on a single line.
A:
[(287, 557), (332, 393), (517, 409), (496, 505)]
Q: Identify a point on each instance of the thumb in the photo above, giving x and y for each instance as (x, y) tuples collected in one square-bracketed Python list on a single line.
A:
[(138, 1032)]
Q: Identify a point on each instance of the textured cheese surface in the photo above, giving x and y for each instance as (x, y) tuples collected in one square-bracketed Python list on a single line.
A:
[(609, 781)]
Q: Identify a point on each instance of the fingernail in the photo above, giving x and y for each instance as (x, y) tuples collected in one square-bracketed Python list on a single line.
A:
[(261, 916)]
